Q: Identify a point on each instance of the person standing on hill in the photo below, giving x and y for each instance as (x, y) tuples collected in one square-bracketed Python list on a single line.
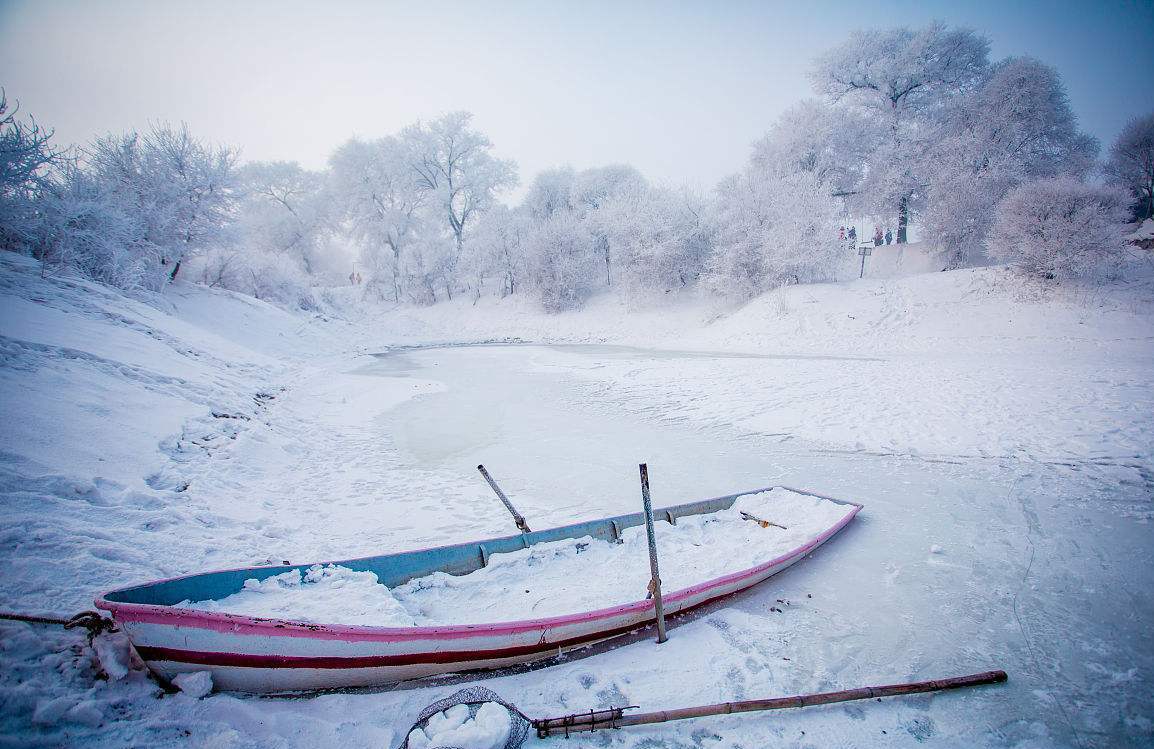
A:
[(877, 236), (889, 236), (853, 234)]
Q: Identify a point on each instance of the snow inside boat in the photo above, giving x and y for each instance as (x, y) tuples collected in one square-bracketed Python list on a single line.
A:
[(461, 607)]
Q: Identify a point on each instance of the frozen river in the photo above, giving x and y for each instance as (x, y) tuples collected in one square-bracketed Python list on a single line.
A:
[(957, 564)]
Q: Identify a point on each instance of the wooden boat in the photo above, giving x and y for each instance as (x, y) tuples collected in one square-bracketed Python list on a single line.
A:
[(251, 654)]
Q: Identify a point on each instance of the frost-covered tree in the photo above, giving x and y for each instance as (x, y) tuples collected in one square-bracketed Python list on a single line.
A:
[(901, 77), (562, 264), (499, 250), (623, 232), (550, 193), (91, 228), (774, 228), (428, 267), (26, 159), (380, 200), (1131, 164), (599, 196), (1016, 127), (135, 207), (1060, 228), (455, 164), (410, 200), (657, 239), (191, 187), (283, 211), (274, 277), (832, 144)]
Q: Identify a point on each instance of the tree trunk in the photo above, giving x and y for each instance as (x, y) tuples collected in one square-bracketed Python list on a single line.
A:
[(903, 219), (605, 249)]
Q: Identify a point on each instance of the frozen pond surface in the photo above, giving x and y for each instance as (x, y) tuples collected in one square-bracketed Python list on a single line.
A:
[(956, 565)]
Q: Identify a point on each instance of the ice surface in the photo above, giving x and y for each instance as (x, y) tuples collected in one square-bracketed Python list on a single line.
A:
[(547, 579)]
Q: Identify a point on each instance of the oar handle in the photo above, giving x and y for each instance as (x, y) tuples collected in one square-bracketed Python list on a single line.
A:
[(614, 718), (517, 517)]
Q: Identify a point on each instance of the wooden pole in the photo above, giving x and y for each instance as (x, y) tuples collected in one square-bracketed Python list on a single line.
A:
[(655, 579), (517, 518), (614, 717)]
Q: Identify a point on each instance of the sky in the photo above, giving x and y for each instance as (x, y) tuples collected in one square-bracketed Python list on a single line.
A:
[(679, 90)]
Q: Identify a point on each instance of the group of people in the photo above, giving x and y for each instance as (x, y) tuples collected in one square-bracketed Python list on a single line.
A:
[(879, 238)]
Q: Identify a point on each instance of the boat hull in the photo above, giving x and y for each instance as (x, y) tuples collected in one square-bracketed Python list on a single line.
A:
[(267, 656)]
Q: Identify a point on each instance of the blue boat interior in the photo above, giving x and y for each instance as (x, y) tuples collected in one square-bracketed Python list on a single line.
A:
[(396, 569)]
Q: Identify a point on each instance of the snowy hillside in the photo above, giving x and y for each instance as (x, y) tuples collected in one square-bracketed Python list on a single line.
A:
[(999, 435)]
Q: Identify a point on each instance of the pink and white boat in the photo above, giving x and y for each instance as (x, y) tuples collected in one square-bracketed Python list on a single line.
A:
[(252, 654)]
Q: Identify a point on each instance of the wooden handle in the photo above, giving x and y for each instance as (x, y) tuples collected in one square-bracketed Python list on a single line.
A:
[(615, 719)]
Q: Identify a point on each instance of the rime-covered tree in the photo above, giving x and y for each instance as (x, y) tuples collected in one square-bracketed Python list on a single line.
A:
[(550, 193), (1060, 228), (1131, 164), (597, 195), (774, 228), (284, 211), (498, 249), (833, 144), (455, 164), (26, 159), (380, 199), (901, 77), (92, 229), (135, 206), (562, 265), (1016, 127), (657, 238)]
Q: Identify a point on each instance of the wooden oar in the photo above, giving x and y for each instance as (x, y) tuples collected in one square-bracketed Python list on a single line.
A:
[(615, 717), (762, 523)]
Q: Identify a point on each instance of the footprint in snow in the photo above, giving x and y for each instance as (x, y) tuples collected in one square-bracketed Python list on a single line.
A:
[(921, 728)]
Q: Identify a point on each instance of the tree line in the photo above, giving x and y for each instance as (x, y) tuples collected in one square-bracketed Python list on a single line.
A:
[(910, 127)]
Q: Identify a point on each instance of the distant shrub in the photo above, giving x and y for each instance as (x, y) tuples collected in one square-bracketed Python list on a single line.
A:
[(276, 279), (1060, 228)]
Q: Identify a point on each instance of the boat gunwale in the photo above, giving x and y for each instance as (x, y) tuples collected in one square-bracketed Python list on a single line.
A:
[(170, 615)]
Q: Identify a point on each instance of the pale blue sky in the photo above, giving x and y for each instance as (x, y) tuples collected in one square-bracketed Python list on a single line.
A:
[(678, 89)]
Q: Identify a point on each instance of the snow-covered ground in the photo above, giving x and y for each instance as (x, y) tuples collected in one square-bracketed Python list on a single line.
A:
[(998, 434)]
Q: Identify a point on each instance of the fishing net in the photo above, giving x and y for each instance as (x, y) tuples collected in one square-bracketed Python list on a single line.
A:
[(434, 718)]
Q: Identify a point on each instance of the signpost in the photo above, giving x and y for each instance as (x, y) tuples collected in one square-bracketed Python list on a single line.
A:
[(865, 250)]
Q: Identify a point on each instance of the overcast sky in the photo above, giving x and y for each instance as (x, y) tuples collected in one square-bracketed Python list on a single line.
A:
[(679, 90)]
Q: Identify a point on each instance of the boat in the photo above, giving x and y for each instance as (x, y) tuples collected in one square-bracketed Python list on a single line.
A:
[(260, 655)]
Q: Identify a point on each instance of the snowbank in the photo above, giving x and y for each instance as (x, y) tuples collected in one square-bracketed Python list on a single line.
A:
[(973, 311)]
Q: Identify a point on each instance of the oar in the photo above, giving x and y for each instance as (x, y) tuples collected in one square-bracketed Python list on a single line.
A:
[(517, 517), (762, 523), (615, 717)]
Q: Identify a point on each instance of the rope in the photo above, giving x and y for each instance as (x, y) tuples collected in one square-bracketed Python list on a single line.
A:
[(93, 622), (32, 619)]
